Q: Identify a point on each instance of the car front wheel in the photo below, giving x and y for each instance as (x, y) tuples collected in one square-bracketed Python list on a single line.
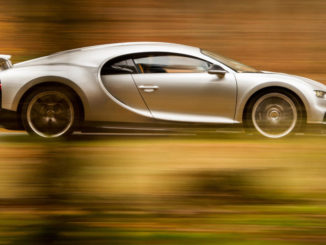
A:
[(275, 114)]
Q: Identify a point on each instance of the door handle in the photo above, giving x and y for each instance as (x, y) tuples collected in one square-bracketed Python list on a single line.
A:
[(148, 88)]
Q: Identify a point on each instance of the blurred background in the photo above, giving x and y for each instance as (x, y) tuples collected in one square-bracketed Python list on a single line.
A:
[(221, 189), (277, 35)]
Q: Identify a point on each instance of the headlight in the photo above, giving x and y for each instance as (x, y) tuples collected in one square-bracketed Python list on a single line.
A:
[(320, 94)]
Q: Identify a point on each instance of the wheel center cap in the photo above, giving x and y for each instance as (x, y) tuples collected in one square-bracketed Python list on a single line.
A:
[(274, 115), (50, 113)]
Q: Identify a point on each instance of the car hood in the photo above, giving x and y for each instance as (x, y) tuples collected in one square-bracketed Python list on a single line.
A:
[(313, 83)]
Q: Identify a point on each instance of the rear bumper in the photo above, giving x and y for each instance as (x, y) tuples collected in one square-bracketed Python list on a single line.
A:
[(9, 120)]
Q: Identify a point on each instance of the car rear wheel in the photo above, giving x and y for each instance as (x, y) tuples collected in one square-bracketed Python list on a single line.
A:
[(275, 114), (50, 112)]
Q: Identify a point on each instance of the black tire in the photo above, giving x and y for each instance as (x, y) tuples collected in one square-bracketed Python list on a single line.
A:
[(294, 106), (50, 112)]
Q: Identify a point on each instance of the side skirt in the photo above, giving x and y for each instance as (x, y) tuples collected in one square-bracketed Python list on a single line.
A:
[(157, 127)]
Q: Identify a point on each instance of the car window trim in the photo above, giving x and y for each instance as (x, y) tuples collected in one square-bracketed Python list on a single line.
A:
[(133, 56)]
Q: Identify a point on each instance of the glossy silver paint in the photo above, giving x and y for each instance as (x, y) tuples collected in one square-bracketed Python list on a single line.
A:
[(141, 98), (189, 97)]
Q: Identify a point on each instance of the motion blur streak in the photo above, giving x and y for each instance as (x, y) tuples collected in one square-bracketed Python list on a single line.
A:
[(167, 190)]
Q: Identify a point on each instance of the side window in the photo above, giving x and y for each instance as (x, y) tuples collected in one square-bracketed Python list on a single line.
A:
[(170, 63), (118, 67)]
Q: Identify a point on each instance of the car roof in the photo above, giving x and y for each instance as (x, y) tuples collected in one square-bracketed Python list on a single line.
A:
[(158, 44), (132, 47), (95, 55)]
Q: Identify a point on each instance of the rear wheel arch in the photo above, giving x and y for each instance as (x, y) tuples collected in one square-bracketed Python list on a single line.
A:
[(52, 84)]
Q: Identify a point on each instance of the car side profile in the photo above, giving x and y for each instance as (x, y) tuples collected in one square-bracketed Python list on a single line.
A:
[(152, 85)]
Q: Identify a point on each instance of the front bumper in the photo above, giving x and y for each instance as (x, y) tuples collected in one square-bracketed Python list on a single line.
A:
[(316, 111)]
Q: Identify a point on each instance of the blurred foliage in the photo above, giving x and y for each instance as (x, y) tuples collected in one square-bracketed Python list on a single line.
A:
[(170, 190), (237, 186)]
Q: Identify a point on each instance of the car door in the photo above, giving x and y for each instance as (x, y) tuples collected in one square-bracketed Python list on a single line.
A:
[(117, 80), (178, 88)]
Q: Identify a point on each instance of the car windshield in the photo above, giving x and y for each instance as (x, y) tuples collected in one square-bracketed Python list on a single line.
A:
[(235, 65)]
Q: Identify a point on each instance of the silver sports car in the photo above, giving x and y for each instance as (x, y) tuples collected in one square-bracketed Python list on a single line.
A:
[(148, 85)]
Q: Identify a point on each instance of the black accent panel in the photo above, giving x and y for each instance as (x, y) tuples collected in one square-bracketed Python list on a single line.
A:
[(9, 120), (119, 66)]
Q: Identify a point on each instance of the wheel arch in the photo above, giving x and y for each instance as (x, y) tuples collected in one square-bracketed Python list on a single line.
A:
[(52, 81), (265, 90)]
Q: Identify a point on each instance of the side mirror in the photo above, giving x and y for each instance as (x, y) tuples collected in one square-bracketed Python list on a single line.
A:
[(214, 69)]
